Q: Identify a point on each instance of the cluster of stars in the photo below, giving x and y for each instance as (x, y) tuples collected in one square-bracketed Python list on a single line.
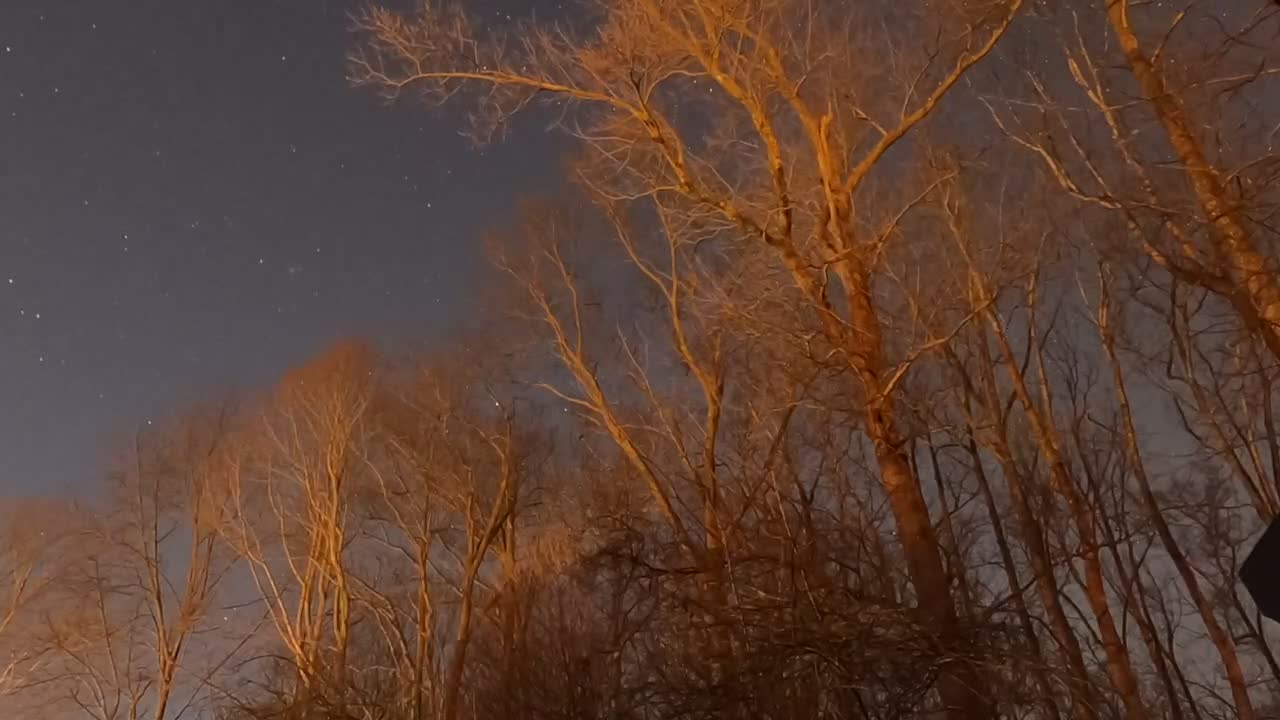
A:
[(135, 278)]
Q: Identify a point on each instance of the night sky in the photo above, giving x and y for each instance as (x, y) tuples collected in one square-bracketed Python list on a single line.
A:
[(192, 198)]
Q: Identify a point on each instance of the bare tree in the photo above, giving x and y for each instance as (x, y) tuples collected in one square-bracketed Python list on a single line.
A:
[(127, 627), (32, 559), (783, 80), (291, 484)]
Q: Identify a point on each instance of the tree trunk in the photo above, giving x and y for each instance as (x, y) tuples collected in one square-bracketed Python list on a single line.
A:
[(1220, 638), (1082, 709), (960, 687), (1252, 273), (1119, 666), (1037, 549)]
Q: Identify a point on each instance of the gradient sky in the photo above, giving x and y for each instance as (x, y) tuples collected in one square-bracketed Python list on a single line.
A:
[(192, 198)]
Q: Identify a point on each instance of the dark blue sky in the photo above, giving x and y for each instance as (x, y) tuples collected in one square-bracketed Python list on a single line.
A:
[(193, 198)]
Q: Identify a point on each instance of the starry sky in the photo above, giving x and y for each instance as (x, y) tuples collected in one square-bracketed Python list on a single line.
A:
[(192, 199)]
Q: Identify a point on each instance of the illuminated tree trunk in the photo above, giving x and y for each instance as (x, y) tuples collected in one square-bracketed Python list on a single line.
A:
[(1037, 550), (1258, 291), (959, 684), (1119, 666)]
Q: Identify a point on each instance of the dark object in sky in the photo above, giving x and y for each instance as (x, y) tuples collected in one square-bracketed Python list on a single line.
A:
[(1260, 572)]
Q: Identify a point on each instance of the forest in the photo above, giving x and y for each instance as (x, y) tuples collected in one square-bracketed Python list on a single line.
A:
[(876, 360)]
